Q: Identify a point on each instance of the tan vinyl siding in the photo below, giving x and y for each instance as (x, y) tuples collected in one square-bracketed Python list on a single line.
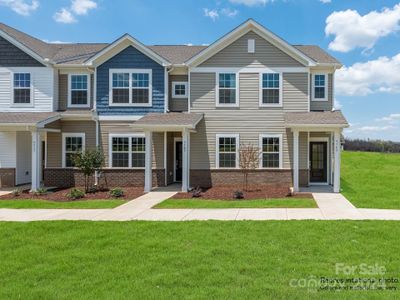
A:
[(107, 128), (324, 105), (54, 139), (177, 104), (236, 55), (295, 92), (63, 92)]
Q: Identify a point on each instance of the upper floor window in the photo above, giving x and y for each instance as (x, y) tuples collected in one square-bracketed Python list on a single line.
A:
[(130, 87), (227, 92), (271, 89), (127, 151), (179, 89), (320, 87), (78, 90), (22, 89), (73, 143), (227, 151), (271, 150)]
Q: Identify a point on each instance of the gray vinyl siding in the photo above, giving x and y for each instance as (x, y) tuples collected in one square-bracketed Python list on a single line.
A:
[(236, 55), (107, 128), (248, 120), (324, 105), (63, 92), (12, 56), (177, 104)]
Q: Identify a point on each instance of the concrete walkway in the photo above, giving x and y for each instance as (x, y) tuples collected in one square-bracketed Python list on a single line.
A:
[(330, 207)]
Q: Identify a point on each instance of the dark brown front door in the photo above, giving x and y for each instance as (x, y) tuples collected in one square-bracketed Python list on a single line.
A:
[(178, 161), (318, 162)]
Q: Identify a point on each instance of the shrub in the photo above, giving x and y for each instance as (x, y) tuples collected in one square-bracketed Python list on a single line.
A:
[(88, 163), (196, 192), (117, 193), (16, 192), (238, 195), (40, 191), (75, 194)]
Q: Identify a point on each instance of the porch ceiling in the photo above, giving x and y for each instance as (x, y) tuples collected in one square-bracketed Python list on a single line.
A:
[(316, 119), (168, 121)]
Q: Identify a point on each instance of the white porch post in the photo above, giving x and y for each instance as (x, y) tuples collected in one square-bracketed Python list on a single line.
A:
[(35, 160), (336, 174), (296, 160), (185, 160), (148, 163)]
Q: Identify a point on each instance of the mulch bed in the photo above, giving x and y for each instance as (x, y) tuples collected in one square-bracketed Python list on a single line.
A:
[(61, 195), (254, 192)]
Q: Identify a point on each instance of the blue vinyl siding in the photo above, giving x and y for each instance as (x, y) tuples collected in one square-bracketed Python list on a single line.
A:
[(129, 58)]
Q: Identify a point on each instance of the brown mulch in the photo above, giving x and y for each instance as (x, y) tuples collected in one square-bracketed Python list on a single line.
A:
[(61, 195), (253, 192)]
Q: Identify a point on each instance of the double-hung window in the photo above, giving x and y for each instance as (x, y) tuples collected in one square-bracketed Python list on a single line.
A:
[(227, 151), (320, 87), (130, 87), (179, 89), (22, 89), (227, 93), (271, 149), (127, 151), (73, 143), (78, 90), (271, 93)]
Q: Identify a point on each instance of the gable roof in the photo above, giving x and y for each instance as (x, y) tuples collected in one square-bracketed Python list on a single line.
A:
[(250, 25), (317, 54)]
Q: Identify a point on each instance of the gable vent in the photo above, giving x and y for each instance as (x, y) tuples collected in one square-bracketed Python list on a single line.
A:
[(251, 46)]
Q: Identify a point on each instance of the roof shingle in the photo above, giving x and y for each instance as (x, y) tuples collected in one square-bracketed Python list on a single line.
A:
[(316, 118)]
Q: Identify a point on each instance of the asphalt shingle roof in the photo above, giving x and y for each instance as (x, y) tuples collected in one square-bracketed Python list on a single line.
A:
[(25, 117), (170, 119), (316, 118)]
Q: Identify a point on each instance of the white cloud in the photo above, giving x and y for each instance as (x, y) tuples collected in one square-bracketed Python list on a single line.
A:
[(251, 2), (390, 118), (351, 30), (211, 13), (64, 16), (325, 1), (375, 76), (337, 105), (21, 7), (229, 12), (82, 7)]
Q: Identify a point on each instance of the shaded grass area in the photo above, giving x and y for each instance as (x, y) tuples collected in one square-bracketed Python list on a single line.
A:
[(196, 260), (37, 203), (259, 203), (371, 180)]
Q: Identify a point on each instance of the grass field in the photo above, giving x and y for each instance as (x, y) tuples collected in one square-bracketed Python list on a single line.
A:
[(191, 260), (30, 203), (261, 203), (371, 180)]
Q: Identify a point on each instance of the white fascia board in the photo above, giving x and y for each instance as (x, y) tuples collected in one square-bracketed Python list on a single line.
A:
[(119, 118)]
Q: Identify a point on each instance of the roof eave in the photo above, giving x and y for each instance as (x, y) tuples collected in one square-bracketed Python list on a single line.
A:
[(304, 125)]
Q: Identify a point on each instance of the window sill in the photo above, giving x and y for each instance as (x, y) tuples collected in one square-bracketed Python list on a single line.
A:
[(271, 105), (14, 105), (319, 100), (129, 105)]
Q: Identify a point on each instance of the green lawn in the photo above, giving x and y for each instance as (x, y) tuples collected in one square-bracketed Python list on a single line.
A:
[(30, 203), (371, 180), (260, 203), (191, 260)]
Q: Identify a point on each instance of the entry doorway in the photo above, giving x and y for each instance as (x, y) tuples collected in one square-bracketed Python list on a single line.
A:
[(178, 159), (319, 162)]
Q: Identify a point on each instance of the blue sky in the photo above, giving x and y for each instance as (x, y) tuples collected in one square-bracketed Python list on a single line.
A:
[(363, 35)]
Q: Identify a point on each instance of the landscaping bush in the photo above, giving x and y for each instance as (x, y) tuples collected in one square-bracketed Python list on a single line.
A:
[(117, 193), (40, 191), (238, 195), (76, 194), (196, 192), (16, 192)]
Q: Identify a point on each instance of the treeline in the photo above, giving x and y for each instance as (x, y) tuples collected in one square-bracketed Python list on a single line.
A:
[(371, 146)]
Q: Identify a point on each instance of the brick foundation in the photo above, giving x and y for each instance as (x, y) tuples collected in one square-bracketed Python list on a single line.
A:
[(7, 177), (208, 178), (115, 177)]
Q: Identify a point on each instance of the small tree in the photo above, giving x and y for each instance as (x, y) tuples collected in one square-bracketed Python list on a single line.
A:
[(89, 162), (249, 159)]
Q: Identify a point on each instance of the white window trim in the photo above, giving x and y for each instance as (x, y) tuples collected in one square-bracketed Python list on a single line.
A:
[(30, 104), (175, 83), (130, 71), (70, 91), (226, 135), (271, 135), (261, 88), (217, 104), (71, 134), (124, 135), (313, 87)]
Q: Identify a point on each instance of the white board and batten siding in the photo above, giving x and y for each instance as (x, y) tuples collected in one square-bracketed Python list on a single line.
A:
[(42, 82), (24, 157), (8, 153)]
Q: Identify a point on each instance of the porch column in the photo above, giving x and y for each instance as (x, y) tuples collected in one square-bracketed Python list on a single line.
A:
[(35, 160), (296, 160), (148, 163), (336, 170), (185, 160)]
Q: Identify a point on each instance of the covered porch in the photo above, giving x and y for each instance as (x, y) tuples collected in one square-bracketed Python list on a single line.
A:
[(177, 128), (323, 131)]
